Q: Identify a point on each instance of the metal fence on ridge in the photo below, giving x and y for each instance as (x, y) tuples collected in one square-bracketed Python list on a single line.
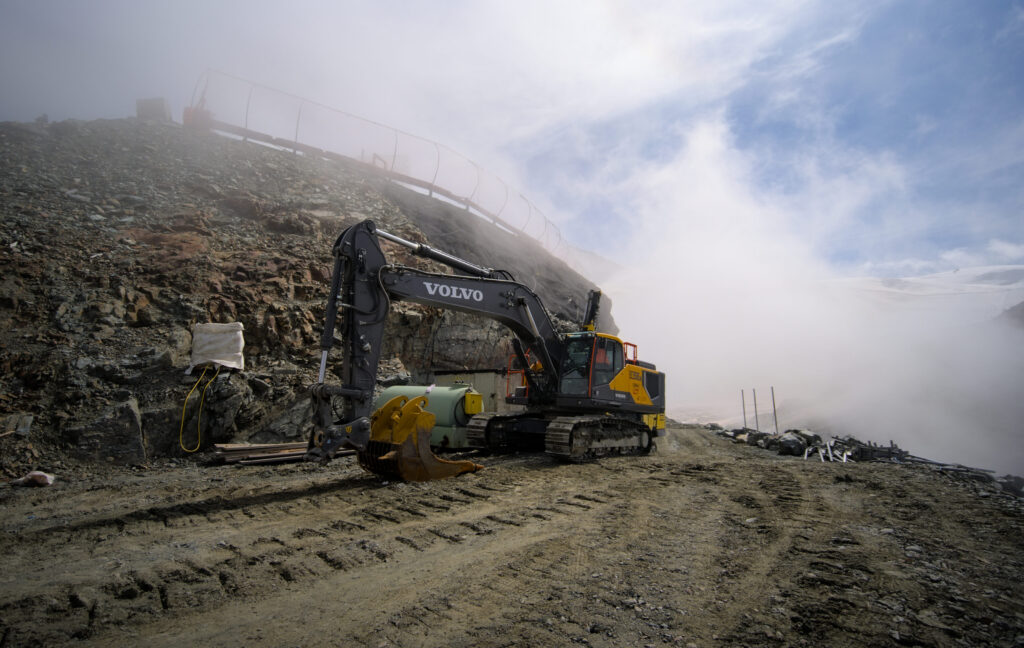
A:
[(247, 109)]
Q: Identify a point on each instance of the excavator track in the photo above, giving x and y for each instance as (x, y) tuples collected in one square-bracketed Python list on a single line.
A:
[(485, 431), (584, 438)]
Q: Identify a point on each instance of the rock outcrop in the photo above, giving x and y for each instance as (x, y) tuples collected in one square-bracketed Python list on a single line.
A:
[(117, 237)]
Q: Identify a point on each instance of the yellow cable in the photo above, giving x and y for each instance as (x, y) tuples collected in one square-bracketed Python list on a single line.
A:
[(199, 416), (181, 430)]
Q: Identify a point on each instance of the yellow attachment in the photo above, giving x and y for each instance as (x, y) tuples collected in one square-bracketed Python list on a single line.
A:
[(398, 418), (400, 444)]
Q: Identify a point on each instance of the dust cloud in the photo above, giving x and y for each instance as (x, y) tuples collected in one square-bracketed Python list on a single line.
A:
[(722, 288)]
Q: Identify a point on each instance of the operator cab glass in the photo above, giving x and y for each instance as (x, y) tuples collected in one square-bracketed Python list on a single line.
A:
[(576, 365), (607, 360), (589, 360)]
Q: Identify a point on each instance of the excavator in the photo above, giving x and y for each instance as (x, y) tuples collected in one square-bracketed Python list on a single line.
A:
[(583, 395)]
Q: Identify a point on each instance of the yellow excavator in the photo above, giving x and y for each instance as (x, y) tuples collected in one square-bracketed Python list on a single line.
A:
[(583, 395)]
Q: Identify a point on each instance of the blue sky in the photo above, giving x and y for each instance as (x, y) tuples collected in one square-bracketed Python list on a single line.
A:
[(911, 112), (885, 137)]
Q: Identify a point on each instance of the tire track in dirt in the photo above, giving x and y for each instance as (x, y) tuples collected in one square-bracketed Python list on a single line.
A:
[(761, 523), (198, 554), (472, 533), (707, 545), (570, 583)]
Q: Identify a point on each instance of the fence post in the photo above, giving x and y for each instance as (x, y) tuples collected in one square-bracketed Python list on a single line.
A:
[(469, 200), (757, 423), (775, 412), (394, 154), (437, 168), (298, 118), (248, 101), (504, 204), (743, 399)]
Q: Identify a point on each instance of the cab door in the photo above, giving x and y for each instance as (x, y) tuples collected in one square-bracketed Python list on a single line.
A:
[(607, 362)]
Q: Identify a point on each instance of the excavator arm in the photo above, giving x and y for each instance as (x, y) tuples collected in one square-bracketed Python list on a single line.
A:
[(502, 300), (363, 285)]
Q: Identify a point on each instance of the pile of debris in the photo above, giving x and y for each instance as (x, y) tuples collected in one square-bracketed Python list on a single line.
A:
[(806, 444)]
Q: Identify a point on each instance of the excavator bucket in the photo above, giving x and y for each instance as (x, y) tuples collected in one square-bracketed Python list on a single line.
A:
[(399, 446)]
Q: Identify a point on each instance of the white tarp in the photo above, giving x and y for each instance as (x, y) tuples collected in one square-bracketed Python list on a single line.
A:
[(220, 344)]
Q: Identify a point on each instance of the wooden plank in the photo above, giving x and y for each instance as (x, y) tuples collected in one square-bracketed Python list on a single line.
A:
[(281, 458), (285, 457), (231, 447), (265, 455)]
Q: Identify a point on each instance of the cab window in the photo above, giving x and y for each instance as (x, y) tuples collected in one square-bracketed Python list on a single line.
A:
[(607, 360), (576, 366)]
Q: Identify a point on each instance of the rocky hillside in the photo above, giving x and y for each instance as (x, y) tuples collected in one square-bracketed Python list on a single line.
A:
[(117, 237)]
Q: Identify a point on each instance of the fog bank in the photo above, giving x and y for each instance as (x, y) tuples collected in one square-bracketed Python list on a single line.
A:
[(721, 288)]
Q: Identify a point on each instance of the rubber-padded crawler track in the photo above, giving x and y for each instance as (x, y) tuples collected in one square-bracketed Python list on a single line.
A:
[(583, 438), (483, 432)]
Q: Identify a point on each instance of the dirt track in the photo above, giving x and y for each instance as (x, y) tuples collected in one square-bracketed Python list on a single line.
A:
[(703, 543)]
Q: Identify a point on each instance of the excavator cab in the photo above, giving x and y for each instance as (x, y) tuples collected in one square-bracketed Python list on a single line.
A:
[(591, 360)]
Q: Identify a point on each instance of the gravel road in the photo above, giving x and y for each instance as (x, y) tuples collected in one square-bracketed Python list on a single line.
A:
[(702, 543)]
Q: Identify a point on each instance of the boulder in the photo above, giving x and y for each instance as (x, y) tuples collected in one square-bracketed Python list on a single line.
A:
[(114, 435), (294, 424), (19, 424), (791, 443), (810, 438), (756, 438)]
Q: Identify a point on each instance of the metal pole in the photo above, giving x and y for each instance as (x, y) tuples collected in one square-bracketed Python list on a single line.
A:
[(757, 424), (775, 412), (394, 154), (248, 101), (743, 399), (476, 186), (529, 213), (437, 168), (298, 118)]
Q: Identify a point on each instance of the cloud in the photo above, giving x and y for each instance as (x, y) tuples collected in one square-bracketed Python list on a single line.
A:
[(724, 287), (962, 258), (724, 278), (898, 268), (1006, 251), (994, 253)]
